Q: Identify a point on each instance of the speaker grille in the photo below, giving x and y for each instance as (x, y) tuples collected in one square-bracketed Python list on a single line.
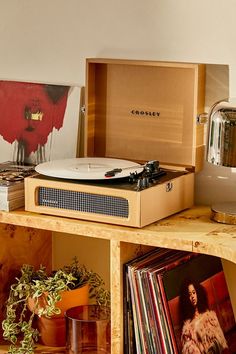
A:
[(84, 202)]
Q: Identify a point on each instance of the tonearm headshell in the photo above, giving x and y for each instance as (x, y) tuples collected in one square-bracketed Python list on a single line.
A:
[(151, 172)]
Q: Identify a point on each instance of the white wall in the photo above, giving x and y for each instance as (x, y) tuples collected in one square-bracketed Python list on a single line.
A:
[(48, 40)]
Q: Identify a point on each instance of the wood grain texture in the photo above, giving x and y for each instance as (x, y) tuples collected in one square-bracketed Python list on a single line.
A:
[(190, 230), (144, 109), (21, 245)]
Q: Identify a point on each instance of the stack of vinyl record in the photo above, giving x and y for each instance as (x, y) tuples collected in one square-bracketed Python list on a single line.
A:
[(153, 283), (12, 195)]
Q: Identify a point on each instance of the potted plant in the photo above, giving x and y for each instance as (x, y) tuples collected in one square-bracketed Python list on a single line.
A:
[(43, 293)]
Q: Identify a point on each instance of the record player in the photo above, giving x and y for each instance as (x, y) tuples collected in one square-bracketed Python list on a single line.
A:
[(142, 146)]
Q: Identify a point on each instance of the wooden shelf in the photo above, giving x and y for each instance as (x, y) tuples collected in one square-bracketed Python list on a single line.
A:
[(39, 349), (190, 230)]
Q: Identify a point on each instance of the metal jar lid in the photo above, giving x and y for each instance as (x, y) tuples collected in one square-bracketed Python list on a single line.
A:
[(221, 149)]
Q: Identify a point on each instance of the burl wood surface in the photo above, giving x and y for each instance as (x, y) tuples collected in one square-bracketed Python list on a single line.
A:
[(19, 245)]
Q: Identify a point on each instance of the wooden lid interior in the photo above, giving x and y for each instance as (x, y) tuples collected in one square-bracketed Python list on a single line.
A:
[(144, 111)]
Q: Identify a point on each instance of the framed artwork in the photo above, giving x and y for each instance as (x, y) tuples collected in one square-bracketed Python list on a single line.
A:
[(38, 121)]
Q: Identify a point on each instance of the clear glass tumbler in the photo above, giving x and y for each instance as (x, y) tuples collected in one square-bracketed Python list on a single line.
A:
[(88, 330)]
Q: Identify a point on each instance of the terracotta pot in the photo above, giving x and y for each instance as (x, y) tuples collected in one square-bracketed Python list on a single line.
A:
[(70, 298), (53, 330)]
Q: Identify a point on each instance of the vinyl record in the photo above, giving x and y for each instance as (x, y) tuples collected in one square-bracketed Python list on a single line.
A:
[(89, 168)]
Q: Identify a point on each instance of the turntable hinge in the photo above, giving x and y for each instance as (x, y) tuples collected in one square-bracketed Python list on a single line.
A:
[(82, 109), (202, 118)]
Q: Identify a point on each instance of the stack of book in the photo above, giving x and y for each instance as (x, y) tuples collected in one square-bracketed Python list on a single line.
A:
[(12, 177), (152, 288)]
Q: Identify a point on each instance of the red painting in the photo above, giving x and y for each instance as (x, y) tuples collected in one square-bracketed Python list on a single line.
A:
[(28, 114)]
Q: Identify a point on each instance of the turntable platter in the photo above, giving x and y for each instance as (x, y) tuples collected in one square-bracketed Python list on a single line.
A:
[(88, 168)]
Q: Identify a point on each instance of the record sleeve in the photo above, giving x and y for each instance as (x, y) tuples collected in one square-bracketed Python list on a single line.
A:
[(206, 275), (151, 336), (156, 282)]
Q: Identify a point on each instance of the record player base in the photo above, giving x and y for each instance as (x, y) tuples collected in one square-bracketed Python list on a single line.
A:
[(106, 204)]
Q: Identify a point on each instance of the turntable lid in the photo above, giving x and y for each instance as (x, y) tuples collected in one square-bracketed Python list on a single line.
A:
[(144, 110)]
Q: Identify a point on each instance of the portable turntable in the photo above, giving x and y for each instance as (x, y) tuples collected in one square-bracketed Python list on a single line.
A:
[(142, 145)]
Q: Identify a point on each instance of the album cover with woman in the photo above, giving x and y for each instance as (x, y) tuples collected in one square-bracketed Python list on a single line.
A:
[(199, 306)]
